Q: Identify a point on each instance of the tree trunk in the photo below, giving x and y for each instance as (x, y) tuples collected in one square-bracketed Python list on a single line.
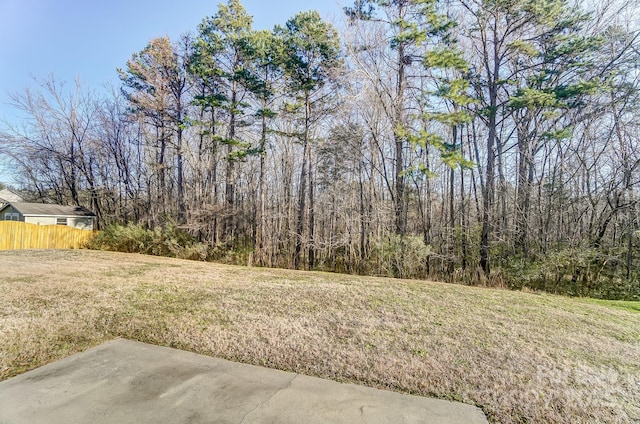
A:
[(488, 195), (523, 196), (261, 218), (229, 214), (303, 183), (301, 206), (182, 209), (401, 224), (311, 249)]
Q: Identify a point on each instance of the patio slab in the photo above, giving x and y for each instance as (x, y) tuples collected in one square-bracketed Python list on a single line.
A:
[(124, 381)]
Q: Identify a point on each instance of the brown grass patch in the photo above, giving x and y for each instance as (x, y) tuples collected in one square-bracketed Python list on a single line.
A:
[(522, 357)]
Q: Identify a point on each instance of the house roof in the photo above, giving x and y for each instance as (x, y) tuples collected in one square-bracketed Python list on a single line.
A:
[(9, 196), (41, 209)]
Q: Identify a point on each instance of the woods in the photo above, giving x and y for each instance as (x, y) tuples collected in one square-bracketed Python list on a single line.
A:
[(481, 141)]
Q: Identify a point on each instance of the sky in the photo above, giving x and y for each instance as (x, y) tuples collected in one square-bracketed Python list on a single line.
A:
[(89, 39)]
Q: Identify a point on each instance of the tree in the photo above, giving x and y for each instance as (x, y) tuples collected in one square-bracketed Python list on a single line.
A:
[(156, 79), (403, 37), (311, 53), (55, 148), (416, 32), (525, 59), (76, 148), (223, 56), (266, 60), (555, 72), (447, 104)]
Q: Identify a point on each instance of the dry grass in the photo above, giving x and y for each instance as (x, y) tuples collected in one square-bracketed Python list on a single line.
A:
[(521, 357)]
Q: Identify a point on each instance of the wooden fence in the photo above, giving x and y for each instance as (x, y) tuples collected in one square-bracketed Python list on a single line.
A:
[(19, 235)]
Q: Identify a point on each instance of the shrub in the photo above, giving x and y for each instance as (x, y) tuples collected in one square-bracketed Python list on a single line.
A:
[(575, 272), (403, 257), (167, 240), (131, 238)]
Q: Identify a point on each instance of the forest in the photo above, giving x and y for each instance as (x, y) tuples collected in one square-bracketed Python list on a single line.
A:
[(488, 142)]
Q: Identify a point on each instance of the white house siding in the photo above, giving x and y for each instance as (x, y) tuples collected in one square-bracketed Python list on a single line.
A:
[(77, 222), (81, 223), (12, 213), (40, 220)]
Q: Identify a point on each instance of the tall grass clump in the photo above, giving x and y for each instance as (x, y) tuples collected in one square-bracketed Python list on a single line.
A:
[(166, 240)]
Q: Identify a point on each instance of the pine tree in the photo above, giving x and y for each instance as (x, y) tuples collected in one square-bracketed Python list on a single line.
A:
[(311, 53)]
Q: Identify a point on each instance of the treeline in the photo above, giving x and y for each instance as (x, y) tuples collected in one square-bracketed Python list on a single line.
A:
[(483, 141)]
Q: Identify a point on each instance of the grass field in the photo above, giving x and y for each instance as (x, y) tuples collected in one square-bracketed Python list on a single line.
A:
[(521, 357)]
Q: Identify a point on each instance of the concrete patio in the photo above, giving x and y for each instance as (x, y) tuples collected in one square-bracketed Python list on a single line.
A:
[(123, 381)]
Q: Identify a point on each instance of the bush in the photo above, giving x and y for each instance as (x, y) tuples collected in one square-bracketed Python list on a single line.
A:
[(167, 240), (575, 272), (131, 238), (403, 257)]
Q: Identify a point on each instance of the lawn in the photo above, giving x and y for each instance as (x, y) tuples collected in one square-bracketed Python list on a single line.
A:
[(521, 357)]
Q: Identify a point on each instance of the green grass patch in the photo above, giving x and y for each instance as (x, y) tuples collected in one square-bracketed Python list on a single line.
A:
[(631, 306)]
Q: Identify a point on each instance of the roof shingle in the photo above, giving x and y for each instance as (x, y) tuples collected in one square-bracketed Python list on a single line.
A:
[(9, 196), (46, 209)]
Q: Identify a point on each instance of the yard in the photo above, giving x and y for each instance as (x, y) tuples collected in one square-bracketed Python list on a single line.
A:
[(521, 357)]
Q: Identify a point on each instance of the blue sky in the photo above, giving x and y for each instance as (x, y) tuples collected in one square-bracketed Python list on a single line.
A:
[(89, 39)]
